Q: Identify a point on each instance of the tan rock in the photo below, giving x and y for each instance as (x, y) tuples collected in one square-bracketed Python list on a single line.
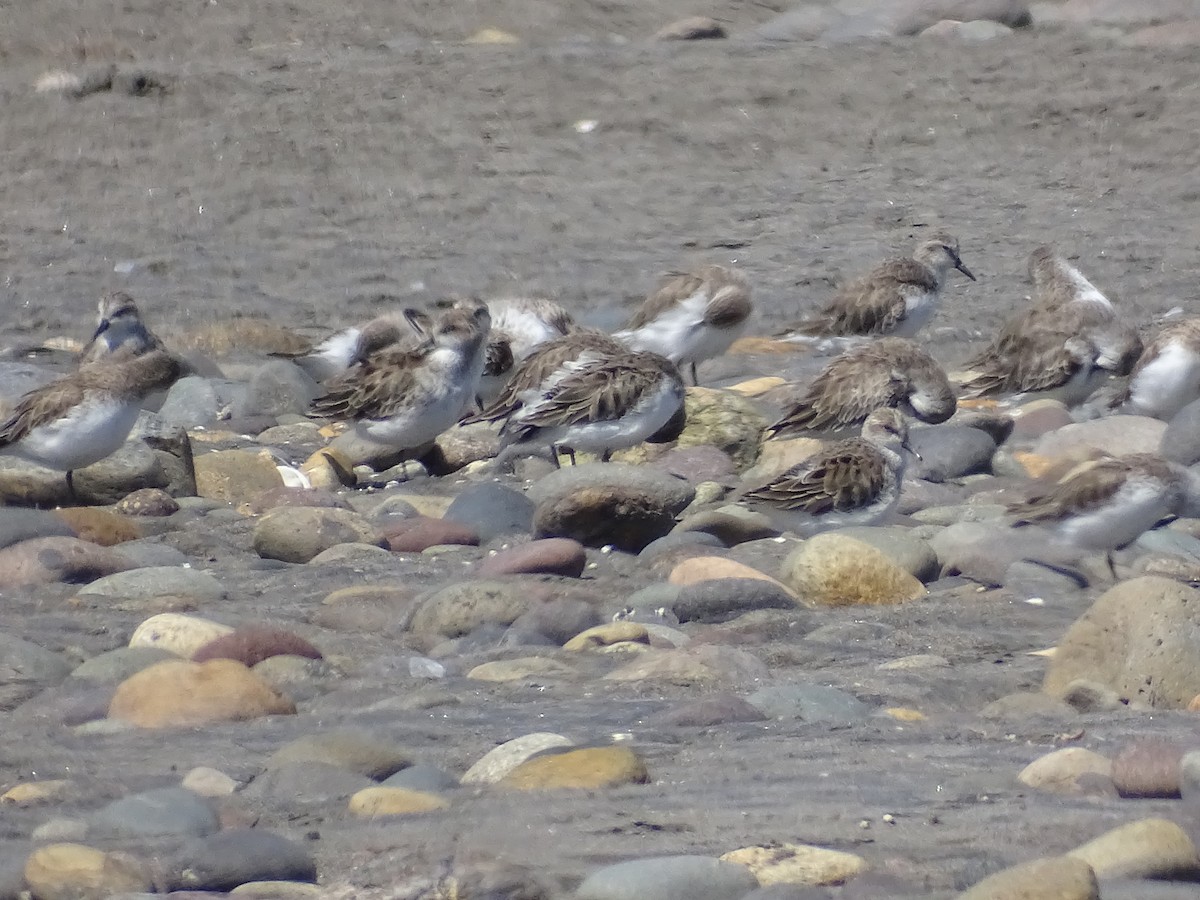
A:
[(756, 344), (222, 337), (517, 669), (608, 634), (493, 36), (693, 28), (208, 782), (1147, 848), (1059, 771), (710, 568), (905, 714), (233, 475), (834, 570), (178, 692), (78, 872), (324, 470), (432, 505), (372, 802), (756, 387), (180, 634), (100, 526), (780, 454), (35, 793), (699, 664), (1059, 878), (592, 767), (797, 864)]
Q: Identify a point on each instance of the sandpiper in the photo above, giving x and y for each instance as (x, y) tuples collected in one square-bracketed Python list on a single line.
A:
[(351, 346), (1102, 505), (855, 481), (519, 326), (889, 372), (691, 317), (120, 331), (85, 416), (898, 297), (1065, 344), (1167, 376), (598, 402), (405, 396), (543, 363)]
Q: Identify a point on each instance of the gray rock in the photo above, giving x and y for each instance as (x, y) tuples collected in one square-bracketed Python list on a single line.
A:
[(716, 709), (460, 609), (789, 892), (608, 503), (423, 777), (805, 22), (557, 620), (654, 603), (355, 751), (719, 600), (223, 861), (1141, 639), (810, 703), (492, 510), (151, 553), (116, 665), (907, 551), (195, 401), (19, 378), (1028, 705), (18, 525), (1180, 440), (1189, 776), (1117, 435), (501, 760), (919, 15), (730, 525), (297, 534), (984, 552), (951, 451), (301, 784), (668, 878), (676, 539), (133, 467), (278, 387), (26, 669), (163, 811), (1167, 542), (158, 581)]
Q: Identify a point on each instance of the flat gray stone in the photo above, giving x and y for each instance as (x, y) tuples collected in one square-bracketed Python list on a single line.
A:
[(157, 581), (26, 669), (223, 861), (668, 878), (810, 703), (163, 811)]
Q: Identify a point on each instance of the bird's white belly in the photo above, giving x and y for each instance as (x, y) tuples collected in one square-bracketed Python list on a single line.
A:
[(421, 422), (86, 435), (676, 334), (920, 307), (1167, 384), (1133, 511)]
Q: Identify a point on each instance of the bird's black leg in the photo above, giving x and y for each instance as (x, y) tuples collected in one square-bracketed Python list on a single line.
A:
[(606, 455), (695, 377), (71, 487), (554, 456), (571, 453), (1112, 569)]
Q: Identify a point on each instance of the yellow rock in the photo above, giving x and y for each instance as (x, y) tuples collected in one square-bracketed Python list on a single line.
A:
[(592, 767), (985, 403), (797, 864), (904, 714), (516, 669), (388, 801), (427, 505), (332, 429), (756, 387), (1147, 848), (234, 475), (1059, 878), (493, 36), (32, 793), (325, 471), (78, 872), (1034, 464), (754, 344), (177, 633), (608, 634), (709, 568), (100, 526), (834, 570), (208, 782), (178, 692)]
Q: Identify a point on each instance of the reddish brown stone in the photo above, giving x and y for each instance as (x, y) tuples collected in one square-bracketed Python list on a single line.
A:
[(99, 525), (421, 532), (550, 556), (1148, 768), (57, 559), (251, 644)]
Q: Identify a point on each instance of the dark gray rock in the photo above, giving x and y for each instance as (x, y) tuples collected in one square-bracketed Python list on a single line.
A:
[(423, 777), (18, 525), (950, 451), (163, 811), (26, 669), (278, 387), (296, 785), (721, 599), (223, 861), (810, 703), (492, 510), (668, 878), (194, 401)]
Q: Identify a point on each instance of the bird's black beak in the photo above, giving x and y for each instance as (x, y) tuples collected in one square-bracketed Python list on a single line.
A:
[(958, 264), (101, 328)]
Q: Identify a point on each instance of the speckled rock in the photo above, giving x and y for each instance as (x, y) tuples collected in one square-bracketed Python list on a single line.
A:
[(232, 476), (591, 768), (291, 497), (296, 535), (150, 502), (797, 864), (834, 570), (178, 692), (179, 634), (79, 872), (1141, 638), (1061, 878), (1147, 848)]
